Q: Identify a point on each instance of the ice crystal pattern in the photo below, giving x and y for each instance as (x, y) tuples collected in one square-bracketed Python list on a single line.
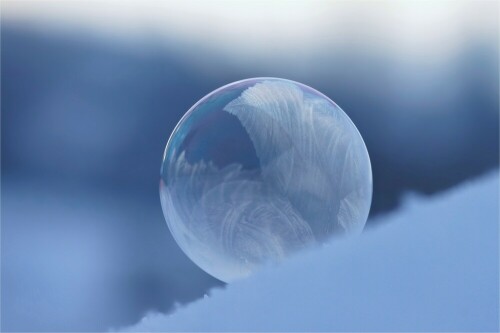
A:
[(260, 169)]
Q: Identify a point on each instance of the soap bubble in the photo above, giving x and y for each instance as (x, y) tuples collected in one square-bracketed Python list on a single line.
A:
[(259, 169)]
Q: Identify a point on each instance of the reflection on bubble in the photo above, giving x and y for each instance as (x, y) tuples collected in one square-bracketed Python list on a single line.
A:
[(259, 169)]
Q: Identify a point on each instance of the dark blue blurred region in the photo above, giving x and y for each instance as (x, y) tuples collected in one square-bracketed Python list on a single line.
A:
[(84, 111), (79, 109), (84, 125)]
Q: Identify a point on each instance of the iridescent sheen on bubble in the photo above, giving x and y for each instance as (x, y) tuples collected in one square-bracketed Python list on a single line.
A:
[(259, 169)]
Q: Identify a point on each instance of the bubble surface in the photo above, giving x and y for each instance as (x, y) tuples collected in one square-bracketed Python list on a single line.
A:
[(259, 169)]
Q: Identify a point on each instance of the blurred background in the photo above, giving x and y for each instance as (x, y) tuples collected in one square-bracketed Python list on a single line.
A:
[(90, 92)]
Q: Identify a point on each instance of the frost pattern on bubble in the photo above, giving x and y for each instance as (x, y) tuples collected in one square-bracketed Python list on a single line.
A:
[(304, 152), (313, 181), (242, 217)]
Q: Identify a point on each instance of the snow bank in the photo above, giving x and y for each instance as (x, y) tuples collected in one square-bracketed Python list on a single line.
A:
[(433, 266)]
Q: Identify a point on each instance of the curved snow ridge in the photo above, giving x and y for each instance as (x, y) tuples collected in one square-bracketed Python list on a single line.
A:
[(431, 267)]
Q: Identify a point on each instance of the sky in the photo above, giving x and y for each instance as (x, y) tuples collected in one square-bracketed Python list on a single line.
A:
[(260, 27)]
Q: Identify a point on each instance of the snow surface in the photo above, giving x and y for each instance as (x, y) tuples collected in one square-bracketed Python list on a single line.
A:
[(433, 266)]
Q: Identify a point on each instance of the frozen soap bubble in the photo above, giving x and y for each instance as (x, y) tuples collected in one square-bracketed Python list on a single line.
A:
[(259, 169)]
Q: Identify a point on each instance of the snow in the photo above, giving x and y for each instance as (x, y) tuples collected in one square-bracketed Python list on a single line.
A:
[(432, 266)]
